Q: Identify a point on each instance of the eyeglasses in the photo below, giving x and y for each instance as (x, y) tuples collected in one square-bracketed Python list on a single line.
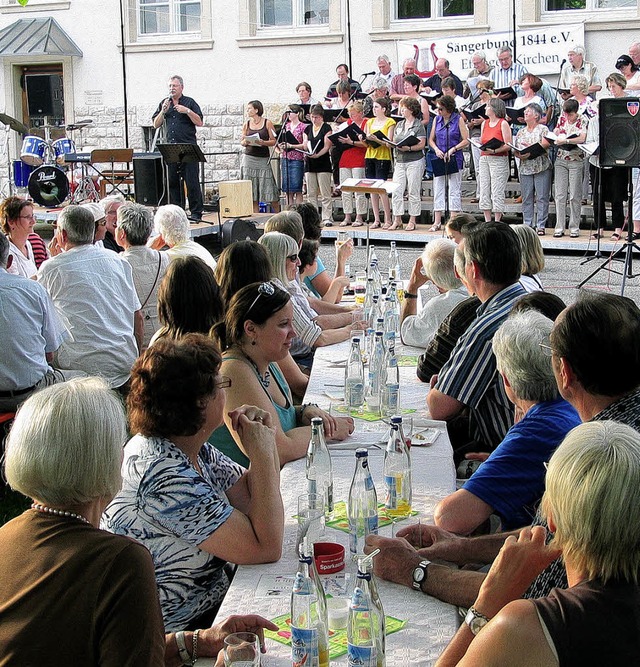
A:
[(264, 289), (547, 349), (293, 258), (223, 383), (28, 217)]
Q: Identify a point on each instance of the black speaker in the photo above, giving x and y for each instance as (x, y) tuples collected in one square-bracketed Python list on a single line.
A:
[(148, 177), (620, 132)]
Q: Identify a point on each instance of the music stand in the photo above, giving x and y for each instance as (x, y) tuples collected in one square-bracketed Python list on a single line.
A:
[(179, 154)]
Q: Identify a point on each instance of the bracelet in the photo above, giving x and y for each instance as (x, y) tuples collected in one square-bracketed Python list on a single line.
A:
[(409, 295), (182, 649), (304, 406), (194, 650)]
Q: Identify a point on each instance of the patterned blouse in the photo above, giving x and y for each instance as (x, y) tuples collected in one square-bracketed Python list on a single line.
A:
[(170, 508), (528, 138)]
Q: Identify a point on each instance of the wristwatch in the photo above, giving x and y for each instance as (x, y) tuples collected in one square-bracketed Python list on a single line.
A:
[(419, 574), (408, 295), (475, 620)]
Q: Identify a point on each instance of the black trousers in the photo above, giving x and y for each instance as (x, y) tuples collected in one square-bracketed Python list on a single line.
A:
[(187, 173)]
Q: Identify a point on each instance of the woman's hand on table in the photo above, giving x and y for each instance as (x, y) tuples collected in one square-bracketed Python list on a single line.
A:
[(335, 428)]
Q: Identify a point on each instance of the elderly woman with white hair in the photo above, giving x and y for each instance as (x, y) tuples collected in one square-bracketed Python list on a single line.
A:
[(510, 483), (312, 330), (133, 230), (532, 258), (172, 228), (434, 265), (592, 504)]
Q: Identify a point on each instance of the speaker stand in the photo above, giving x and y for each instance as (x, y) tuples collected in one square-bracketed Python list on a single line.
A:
[(598, 215)]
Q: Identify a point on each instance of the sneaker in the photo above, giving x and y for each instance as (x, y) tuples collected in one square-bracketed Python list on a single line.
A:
[(574, 235), (557, 235)]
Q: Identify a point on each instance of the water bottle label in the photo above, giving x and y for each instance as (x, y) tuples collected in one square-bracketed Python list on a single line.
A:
[(329, 498), (362, 656), (394, 490), (359, 529), (304, 647), (312, 486), (368, 483), (354, 393), (372, 524)]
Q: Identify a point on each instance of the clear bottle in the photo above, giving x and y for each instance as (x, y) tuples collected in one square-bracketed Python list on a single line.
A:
[(377, 276), (319, 469), (397, 471), (391, 386), (394, 264), (362, 506), (391, 316), (368, 300), (371, 255), (366, 621), (309, 635), (376, 372), (354, 378)]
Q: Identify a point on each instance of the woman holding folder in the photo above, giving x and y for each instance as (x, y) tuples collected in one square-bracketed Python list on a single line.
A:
[(495, 134)]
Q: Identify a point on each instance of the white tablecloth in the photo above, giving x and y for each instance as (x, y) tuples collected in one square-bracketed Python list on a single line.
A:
[(431, 623)]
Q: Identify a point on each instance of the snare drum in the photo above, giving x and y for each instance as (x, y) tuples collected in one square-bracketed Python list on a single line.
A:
[(21, 173), (48, 185), (61, 147), (33, 149)]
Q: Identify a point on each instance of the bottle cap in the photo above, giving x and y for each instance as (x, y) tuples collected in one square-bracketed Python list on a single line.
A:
[(316, 421), (361, 452), (396, 419), (355, 339)]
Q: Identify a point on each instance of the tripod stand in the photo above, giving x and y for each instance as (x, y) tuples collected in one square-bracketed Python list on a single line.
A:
[(598, 215), (625, 252)]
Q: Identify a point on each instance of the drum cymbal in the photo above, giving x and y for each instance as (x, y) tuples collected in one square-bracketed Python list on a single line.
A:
[(45, 127), (78, 126), (13, 123)]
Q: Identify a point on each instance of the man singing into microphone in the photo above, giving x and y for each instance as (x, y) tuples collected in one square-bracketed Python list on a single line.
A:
[(182, 115)]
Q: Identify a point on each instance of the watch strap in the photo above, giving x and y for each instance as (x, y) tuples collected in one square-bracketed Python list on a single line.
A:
[(475, 620), (182, 649), (409, 295), (422, 565)]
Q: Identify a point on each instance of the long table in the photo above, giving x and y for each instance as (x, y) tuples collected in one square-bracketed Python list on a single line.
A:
[(431, 623)]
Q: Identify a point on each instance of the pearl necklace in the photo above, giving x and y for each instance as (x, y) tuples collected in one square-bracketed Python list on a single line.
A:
[(51, 510)]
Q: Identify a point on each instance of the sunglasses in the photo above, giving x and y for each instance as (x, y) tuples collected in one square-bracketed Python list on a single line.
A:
[(264, 289)]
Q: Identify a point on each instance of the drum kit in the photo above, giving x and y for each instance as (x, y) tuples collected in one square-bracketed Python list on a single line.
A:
[(41, 167)]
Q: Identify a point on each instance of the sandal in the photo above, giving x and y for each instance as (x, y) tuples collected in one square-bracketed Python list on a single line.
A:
[(388, 226), (357, 223), (411, 227), (394, 226), (595, 236), (615, 237), (435, 228), (375, 225), (540, 232), (344, 223)]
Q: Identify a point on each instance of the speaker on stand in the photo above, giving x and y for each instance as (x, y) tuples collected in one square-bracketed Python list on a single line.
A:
[(148, 177), (619, 147)]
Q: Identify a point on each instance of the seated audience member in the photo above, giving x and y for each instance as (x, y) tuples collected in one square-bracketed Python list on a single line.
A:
[(309, 261), (39, 247), (100, 221), (31, 332), (18, 221), (592, 504), (188, 299), (454, 225), (111, 204), (239, 265), (256, 333), (106, 580), (596, 327), (488, 261), (93, 292), (532, 258), (192, 507), (510, 482), (312, 227), (434, 265), (134, 225), (312, 330), (172, 226)]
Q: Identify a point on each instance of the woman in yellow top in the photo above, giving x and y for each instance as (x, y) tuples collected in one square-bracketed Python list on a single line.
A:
[(377, 160)]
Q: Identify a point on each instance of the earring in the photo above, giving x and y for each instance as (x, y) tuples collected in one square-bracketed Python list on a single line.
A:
[(253, 342)]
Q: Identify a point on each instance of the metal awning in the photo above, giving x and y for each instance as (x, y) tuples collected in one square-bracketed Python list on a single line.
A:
[(36, 37)]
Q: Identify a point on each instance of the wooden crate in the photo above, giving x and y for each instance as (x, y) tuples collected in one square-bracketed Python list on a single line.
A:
[(236, 198)]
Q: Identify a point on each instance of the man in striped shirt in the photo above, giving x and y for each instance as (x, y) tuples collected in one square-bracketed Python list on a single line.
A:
[(507, 73), (488, 261)]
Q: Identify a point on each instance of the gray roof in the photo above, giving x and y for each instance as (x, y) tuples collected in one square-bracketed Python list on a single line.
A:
[(36, 37)]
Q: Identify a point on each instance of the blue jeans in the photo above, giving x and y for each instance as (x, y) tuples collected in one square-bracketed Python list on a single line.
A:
[(292, 175), (536, 186)]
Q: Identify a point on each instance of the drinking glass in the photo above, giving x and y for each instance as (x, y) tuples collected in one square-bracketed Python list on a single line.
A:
[(310, 520), (360, 287), (242, 649)]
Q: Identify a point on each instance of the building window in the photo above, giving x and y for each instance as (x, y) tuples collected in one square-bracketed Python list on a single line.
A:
[(563, 5), (168, 16), (427, 9), (279, 13)]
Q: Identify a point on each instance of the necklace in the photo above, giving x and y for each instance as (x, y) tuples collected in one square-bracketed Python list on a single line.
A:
[(51, 510), (264, 381)]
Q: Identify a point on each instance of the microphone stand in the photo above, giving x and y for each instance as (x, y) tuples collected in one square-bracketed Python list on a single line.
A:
[(278, 137), (446, 177)]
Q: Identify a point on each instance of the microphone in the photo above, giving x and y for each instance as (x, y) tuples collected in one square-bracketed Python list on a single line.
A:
[(369, 73)]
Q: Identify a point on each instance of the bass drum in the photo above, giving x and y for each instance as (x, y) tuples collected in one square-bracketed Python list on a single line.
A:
[(48, 185)]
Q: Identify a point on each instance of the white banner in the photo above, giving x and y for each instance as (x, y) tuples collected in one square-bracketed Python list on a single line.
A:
[(541, 50)]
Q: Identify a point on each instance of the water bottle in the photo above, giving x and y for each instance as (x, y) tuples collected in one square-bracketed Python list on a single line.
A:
[(394, 264), (362, 506), (376, 371), (371, 255), (397, 471), (309, 636), (374, 271), (368, 300), (391, 317), (391, 386), (354, 378), (319, 470), (366, 621)]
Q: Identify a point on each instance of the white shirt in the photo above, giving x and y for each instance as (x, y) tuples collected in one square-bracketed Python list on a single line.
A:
[(93, 292), (29, 329), (21, 265), (190, 247), (419, 329), (147, 279)]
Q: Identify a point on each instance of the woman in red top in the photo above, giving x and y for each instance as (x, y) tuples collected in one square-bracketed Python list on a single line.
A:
[(352, 166), (494, 162)]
